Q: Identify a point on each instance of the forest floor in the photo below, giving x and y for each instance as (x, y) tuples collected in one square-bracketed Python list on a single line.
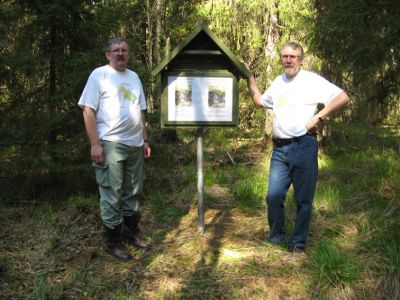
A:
[(54, 249)]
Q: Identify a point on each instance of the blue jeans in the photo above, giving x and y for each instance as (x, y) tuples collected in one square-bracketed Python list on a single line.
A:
[(297, 164), (120, 180)]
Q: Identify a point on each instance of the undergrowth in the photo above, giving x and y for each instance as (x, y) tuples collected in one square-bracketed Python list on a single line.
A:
[(52, 248)]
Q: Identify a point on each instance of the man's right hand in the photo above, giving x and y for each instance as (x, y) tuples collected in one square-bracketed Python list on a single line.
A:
[(97, 153), (253, 88)]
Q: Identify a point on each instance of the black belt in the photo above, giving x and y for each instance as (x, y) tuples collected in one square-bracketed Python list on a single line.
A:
[(282, 142)]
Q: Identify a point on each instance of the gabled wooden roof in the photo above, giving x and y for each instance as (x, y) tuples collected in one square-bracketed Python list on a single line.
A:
[(203, 41)]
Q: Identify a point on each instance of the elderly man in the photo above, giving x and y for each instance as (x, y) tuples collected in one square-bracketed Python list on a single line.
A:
[(113, 104), (293, 98)]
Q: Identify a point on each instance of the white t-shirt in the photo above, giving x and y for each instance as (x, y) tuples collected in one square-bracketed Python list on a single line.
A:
[(118, 100), (294, 101)]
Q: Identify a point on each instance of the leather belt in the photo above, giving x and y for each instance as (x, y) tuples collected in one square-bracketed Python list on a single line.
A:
[(278, 142)]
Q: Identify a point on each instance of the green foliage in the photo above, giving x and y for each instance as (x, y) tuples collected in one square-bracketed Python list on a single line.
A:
[(335, 230), (43, 289), (81, 200), (47, 52), (49, 49), (392, 251), (168, 214), (248, 194), (45, 212), (330, 266), (358, 42), (295, 17), (353, 238)]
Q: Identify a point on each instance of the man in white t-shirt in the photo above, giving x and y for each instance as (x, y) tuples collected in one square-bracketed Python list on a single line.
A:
[(113, 104), (293, 98)]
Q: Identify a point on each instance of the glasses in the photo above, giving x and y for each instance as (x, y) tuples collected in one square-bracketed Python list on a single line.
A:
[(292, 57), (118, 51)]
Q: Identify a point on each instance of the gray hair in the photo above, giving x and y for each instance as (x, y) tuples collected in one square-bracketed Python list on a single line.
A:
[(296, 46), (112, 41)]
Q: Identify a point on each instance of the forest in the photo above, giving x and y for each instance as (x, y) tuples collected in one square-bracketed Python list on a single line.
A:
[(50, 227)]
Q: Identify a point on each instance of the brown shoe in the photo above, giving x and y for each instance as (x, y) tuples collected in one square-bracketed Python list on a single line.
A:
[(114, 245), (294, 249), (131, 232)]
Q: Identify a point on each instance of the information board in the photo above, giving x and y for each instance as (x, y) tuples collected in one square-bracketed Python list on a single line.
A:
[(200, 100)]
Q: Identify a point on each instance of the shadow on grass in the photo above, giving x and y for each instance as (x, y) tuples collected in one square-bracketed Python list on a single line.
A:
[(56, 251), (204, 280)]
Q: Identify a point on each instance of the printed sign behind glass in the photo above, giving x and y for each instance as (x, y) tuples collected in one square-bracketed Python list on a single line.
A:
[(200, 98)]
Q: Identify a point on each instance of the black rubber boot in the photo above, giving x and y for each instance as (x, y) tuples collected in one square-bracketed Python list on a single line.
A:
[(114, 245), (131, 232)]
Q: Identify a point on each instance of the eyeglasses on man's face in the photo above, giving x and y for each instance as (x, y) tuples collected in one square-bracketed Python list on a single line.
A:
[(119, 50), (292, 57)]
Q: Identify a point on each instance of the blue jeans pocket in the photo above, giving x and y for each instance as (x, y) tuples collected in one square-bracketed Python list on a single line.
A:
[(102, 176)]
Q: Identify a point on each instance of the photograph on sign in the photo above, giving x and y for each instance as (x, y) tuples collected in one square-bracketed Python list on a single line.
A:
[(216, 96), (200, 98), (183, 94)]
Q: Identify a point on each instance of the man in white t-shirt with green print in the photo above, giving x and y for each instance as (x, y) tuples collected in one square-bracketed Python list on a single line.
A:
[(113, 104), (293, 98)]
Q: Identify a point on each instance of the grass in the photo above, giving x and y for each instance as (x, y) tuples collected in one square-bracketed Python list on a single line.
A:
[(53, 249), (41, 288), (330, 266)]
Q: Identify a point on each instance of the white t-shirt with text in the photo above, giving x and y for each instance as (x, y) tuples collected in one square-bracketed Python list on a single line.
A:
[(118, 101), (294, 101)]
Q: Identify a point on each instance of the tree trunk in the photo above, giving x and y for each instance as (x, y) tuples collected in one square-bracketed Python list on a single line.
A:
[(272, 37), (149, 47), (52, 67), (159, 13)]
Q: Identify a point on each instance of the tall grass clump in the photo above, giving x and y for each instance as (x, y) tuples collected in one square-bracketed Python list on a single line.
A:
[(247, 195), (329, 267), (45, 212), (393, 257), (43, 289), (388, 286), (328, 197)]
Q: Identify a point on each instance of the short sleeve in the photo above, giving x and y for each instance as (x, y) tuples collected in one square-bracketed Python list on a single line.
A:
[(91, 93), (326, 90), (143, 103)]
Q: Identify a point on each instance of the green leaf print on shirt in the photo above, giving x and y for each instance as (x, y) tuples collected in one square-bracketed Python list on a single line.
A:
[(282, 101), (127, 94)]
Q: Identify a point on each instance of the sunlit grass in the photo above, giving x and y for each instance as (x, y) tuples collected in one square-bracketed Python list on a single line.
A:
[(327, 197), (229, 255), (56, 251), (330, 266), (248, 195)]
